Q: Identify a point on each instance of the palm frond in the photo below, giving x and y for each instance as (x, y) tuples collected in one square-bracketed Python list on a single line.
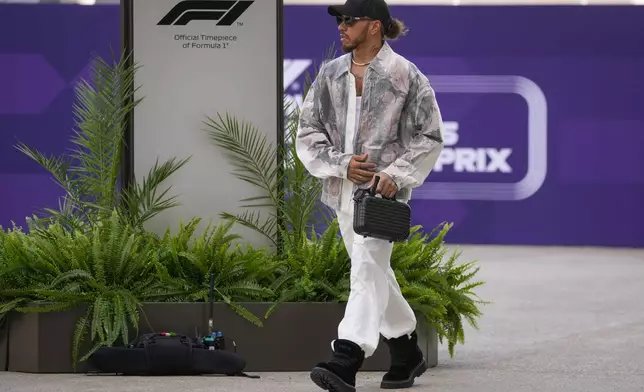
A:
[(250, 153), (142, 201), (89, 173)]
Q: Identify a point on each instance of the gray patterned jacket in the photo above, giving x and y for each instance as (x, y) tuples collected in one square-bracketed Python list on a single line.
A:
[(400, 123)]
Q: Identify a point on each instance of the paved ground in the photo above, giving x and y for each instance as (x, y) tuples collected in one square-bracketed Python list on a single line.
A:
[(562, 320)]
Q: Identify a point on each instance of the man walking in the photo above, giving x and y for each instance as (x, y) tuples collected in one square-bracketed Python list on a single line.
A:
[(369, 113)]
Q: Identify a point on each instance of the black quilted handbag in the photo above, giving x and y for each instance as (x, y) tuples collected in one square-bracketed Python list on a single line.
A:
[(380, 217)]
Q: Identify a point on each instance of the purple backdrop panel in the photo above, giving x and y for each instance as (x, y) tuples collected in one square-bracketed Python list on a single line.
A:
[(544, 120), (543, 114), (44, 49)]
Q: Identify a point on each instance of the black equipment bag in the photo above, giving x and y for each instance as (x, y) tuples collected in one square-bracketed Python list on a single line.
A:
[(171, 354), (166, 354), (380, 217)]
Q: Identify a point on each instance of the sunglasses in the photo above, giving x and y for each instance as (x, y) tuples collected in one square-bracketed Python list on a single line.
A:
[(349, 20)]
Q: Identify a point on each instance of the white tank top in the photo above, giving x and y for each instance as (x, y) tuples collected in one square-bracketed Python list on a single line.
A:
[(358, 106), (351, 131), (347, 186)]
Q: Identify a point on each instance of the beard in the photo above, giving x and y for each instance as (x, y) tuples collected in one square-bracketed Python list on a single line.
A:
[(351, 46)]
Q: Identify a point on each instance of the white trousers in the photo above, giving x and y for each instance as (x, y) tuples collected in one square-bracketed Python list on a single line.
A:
[(376, 305)]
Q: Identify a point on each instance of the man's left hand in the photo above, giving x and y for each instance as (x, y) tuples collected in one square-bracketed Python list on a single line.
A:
[(386, 185)]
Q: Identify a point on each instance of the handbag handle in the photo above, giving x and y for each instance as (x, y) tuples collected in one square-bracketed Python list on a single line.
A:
[(372, 190)]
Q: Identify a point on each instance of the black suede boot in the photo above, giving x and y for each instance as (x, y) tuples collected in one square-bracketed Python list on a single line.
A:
[(339, 374), (407, 362)]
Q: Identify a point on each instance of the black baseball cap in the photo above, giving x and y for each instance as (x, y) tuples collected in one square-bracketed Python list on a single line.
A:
[(373, 9)]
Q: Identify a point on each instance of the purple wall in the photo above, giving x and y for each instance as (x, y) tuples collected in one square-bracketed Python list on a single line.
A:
[(544, 108), (44, 49)]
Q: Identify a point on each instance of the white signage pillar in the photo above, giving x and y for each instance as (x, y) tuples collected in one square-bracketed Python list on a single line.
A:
[(199, 59)]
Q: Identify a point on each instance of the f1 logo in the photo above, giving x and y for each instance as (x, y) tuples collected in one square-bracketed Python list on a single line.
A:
[(225, 11)]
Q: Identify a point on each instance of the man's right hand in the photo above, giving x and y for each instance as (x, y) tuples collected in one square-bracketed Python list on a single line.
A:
[(360, 171)]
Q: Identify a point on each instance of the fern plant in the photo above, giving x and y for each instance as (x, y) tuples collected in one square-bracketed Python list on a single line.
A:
[(436, 285), (90, 173), (186, 263), (14, 284), (110, 270), (314, 270)]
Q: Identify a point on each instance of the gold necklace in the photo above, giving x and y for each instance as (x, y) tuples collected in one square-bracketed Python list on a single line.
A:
[(358, 64)]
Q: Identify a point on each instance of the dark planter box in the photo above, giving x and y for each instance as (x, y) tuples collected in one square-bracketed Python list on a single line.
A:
[(4, 346), (294, 338)]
